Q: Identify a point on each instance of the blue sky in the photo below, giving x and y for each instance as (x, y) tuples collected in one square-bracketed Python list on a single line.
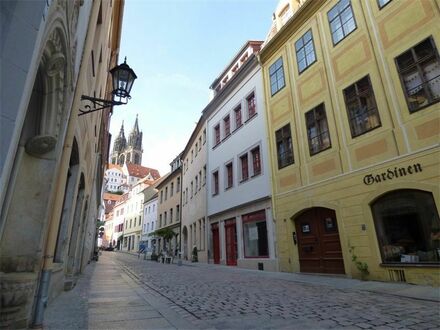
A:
[(177, 48)]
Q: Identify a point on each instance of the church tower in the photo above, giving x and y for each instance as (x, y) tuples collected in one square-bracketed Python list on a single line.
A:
[(133, 151), (117, 155)]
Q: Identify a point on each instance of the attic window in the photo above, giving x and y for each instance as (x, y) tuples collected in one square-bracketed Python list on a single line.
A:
[(225, 80), (244, 57), (235, 68)]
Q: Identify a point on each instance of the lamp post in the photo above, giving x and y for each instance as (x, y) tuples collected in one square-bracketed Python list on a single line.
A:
[(123, 78)]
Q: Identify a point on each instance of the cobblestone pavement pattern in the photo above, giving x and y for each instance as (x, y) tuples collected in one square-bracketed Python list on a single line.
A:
[(222, 297)]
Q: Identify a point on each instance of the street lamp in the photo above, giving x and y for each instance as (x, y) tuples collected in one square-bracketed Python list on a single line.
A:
[(122, 80)]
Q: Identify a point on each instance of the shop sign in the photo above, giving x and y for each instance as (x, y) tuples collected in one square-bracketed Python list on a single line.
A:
[(392, 174)]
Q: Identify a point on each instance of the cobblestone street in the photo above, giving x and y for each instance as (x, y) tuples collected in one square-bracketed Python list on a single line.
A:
[(223, 297)]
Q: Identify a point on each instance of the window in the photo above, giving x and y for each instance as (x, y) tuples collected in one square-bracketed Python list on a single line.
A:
[(183, 199), (215, 187), (383, 3), (276, 74), (196, 149), (161, 196), (252, 109), (165, 218), (237, 114), (305, 51), (227, 126), (216, 135), (197, 184), (229, 176), (341, 20), (255, 235), (408, 227), (419, 70), (171, 215), (284, 146), (192, 189), (244, 167), (317, 130), (361, 107), (204, 136), (200, 143), (204, 174), (186, 191), (177, 213), (166, 193), (178, 185), (172, 189), (256, 161), (192, 155), (200, 176)]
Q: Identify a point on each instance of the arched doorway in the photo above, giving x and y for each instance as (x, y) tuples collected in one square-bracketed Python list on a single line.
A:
[(407, 227), (319, 246), (185, 243)]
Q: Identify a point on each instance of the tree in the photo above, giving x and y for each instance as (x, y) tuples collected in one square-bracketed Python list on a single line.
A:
[(166, 233)]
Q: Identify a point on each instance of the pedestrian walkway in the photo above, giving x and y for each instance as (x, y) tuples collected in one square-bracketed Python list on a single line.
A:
[(107, 298)]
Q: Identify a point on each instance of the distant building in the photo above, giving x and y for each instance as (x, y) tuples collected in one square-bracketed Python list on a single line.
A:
[(114, 179), (127, 151)]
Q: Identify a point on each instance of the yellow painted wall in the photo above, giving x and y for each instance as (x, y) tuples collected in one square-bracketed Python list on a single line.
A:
[(334, 178)]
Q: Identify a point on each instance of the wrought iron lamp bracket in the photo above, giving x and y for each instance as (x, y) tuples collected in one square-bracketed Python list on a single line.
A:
[(99, 104)]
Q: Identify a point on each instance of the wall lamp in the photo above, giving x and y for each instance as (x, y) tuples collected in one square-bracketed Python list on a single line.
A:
[(122, 80)]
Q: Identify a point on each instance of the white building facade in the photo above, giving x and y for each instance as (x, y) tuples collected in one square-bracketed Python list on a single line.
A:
[(241, 228), (149, 223), (114, 179), (194, 234)]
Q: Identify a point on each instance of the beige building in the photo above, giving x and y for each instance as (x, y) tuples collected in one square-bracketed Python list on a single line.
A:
[(51, 160), (194, 157), (168, 209)]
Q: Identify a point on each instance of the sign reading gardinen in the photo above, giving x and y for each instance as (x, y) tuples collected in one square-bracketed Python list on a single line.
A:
[(392, 174)]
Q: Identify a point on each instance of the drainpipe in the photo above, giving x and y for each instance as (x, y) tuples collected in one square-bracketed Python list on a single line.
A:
[(41, 298), (179, 261)]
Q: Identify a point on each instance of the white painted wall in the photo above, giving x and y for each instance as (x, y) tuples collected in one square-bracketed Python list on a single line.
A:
[(149, 221), (252, 133)]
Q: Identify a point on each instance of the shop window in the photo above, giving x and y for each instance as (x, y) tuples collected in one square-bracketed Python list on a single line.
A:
[(255, 235), (419, 70), (341, 20), (305, 51), (276, 74), (408, 227), (284, 146), (317, 130), (361, 107)]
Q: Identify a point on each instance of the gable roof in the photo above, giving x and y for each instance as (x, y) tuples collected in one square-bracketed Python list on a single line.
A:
[(114, 166), (140, 171)]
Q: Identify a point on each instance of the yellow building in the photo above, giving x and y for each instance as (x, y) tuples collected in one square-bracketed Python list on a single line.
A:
[(352, 93)]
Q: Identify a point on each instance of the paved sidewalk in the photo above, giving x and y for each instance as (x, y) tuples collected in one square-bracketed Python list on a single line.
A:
[(107, 298)]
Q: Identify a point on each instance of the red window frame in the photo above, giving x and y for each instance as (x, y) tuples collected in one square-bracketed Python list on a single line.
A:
[(256, 160), (237, 113), (252, 109), (227, 123), (215, 181), (244, 167), (230, 177), (217, 134)]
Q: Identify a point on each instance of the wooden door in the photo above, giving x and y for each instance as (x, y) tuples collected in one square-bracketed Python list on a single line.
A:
[(215, 243), (231, 242), (319, 246)]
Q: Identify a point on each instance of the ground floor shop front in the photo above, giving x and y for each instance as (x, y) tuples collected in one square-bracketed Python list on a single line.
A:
[(244, 237), (380, 223)]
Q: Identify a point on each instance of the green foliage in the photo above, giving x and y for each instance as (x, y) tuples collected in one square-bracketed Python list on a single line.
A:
[(361, 266), (165, 233)]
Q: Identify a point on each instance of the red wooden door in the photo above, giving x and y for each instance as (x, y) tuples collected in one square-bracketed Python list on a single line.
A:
[(318, 242), (215, 243), (231, 243)]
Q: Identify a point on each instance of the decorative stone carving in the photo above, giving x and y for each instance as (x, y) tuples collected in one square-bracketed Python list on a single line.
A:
[(16, 290), (40, 145)]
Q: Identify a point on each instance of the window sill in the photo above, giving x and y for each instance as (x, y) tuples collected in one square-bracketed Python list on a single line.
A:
[(214, 147), (250, 118), (228, 188), (244, 180), (226, 137), (410, 264)]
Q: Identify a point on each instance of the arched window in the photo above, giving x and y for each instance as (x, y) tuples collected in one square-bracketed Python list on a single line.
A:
[(408, 227)]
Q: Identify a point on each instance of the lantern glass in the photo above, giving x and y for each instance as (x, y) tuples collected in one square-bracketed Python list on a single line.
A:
[(123, 79)]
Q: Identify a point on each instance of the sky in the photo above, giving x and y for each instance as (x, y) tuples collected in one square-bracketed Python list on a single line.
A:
[(177, 48)]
